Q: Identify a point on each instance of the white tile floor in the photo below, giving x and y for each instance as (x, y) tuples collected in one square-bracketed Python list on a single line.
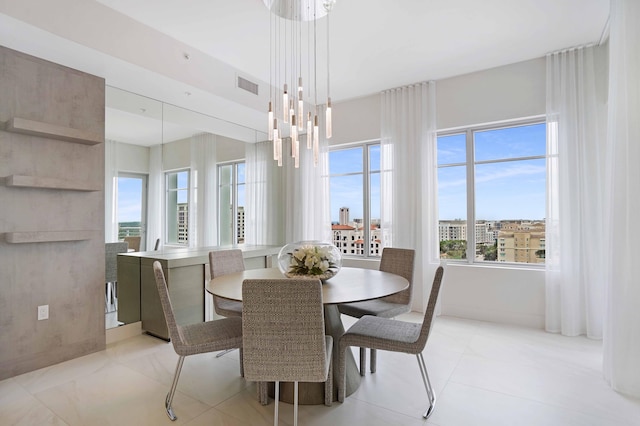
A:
[(483, 374)]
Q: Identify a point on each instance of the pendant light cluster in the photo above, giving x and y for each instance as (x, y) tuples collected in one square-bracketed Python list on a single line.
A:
[(293, 60)]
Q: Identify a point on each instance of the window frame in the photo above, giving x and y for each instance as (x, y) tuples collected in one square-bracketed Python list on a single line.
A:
[(366, 194), (470, 166)]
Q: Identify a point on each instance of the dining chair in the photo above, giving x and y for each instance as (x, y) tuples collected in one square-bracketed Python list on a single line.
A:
[(395, 336), (134, 242), (397, 261), (283, 336), (192, 339), (223, 262)]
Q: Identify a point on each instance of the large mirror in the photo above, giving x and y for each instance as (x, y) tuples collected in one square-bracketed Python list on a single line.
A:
[(137, 130)]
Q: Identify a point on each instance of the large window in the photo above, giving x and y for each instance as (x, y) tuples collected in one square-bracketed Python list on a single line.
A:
[(494, 178), (177, 184), (355, 199), (231, 196), (132, 206)]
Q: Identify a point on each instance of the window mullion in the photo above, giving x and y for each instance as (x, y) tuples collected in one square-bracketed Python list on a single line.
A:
[(366, 201), (471, 214)]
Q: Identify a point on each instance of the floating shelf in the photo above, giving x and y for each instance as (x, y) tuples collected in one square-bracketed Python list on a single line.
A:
[(22, 181), (47, 236), (53, 131)]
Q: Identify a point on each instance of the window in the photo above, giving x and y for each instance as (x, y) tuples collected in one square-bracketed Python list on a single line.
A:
[(354, 176), (177, 184), (231, 196), (494, 177), (132, 206)]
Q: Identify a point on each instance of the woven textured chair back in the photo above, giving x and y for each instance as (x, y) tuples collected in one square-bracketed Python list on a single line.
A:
[(283, 330), (111, 251), (175, 334), (400, 262), (134, 242), (225, 262), (431, 308)]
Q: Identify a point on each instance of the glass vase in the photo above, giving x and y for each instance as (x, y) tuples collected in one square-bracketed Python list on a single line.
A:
[(310, 259)]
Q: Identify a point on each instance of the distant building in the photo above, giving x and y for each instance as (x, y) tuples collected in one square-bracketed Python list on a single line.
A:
[(344, 215), (183, 223), (522, 242), (240, 229), (349, 239)]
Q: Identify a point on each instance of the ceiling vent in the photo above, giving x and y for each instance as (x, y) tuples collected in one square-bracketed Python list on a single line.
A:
[(247, 85)]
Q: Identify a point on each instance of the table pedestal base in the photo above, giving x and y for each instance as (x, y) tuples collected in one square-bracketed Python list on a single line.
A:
[(313, 393)]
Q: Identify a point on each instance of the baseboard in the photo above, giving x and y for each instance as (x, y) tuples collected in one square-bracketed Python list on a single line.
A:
[(123, 332)]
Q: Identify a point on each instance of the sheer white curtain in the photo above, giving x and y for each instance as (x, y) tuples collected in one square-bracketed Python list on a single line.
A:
[(409, 180), (575, 233), (263, 209), (622, 332), (110, 191), (203, 214), (155, 198), (306, 195)]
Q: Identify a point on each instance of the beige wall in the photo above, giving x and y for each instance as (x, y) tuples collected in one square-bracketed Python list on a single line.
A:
[(68, 276)]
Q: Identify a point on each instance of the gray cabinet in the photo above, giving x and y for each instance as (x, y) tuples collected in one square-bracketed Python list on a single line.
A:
[(186, 272)]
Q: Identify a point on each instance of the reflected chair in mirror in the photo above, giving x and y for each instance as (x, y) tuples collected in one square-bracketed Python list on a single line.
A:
[(395, 336), (284, 337), (223, 262), (192, 339), (111, 251), (396, 261), (134, 243)]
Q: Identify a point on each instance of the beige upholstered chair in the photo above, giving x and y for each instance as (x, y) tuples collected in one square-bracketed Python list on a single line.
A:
[(196, 338), (223, 262), (396, 261), (284, 336), (134, 243), (393, 335)]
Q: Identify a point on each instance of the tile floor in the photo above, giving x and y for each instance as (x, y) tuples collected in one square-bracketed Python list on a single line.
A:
[(483, 374)]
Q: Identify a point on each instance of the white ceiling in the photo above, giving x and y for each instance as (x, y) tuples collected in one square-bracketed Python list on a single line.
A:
[(140, 45)]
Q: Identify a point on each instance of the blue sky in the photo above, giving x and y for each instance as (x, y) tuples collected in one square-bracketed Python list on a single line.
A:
[(504, 190), (129, 195)]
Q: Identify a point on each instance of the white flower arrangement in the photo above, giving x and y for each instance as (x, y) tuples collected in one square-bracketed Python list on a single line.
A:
[(313, 260)]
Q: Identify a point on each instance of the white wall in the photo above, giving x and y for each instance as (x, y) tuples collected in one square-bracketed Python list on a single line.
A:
[(133, 158)]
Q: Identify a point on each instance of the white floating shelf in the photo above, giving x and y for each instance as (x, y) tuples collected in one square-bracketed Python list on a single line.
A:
[(53, 131), (23, 181), (47, 236)]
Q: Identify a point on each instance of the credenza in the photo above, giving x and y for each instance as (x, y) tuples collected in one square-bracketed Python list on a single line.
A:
[(186, 271)]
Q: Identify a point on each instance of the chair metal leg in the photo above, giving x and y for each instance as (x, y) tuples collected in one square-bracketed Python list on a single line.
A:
[(226, 351), (172, 391), (427, 385), (372, 361), (363, 361), (295, 403), (275, 410)]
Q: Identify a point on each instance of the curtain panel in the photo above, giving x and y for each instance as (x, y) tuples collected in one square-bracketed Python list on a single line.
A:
[(155, 198), (622, 332), (409, 183), (110, 191), (576, 170), (264, 222)]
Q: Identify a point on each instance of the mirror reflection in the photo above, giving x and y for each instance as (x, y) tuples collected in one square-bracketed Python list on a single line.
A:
[(161, 160)]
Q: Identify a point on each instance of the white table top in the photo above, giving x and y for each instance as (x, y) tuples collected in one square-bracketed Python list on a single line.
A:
[(349, 285)]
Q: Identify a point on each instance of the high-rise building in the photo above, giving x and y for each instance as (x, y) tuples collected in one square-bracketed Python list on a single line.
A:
[(183, 223), (240, 229), (344, 215)]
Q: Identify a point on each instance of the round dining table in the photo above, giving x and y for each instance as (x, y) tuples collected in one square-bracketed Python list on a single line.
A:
[(349, 285)]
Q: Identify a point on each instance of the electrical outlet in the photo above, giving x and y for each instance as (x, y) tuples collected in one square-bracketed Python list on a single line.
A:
[(43, 312)]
